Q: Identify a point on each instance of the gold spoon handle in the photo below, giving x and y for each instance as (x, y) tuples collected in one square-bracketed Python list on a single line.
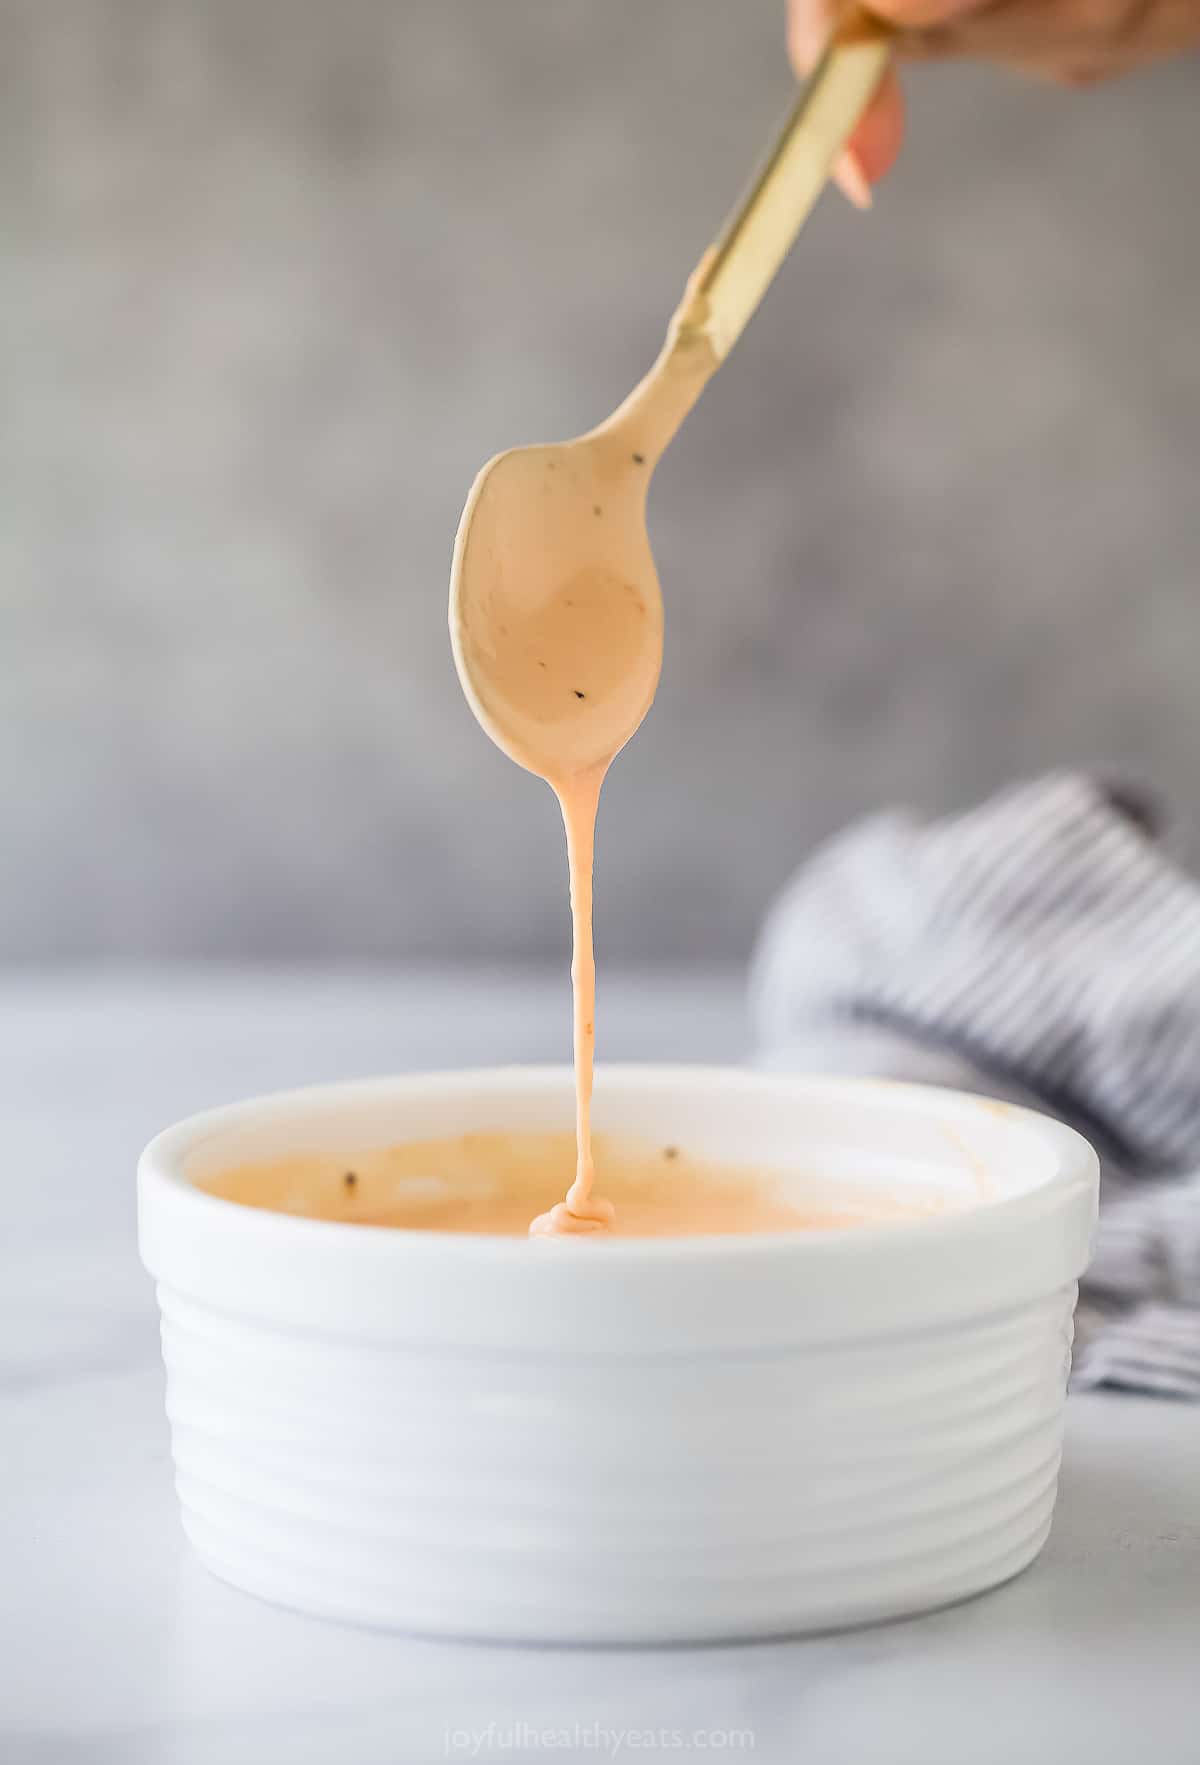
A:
[(736, 272), (760, 232)]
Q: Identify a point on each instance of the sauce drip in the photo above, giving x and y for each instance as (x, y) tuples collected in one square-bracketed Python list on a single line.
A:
[(583, 1210), (556, 622)]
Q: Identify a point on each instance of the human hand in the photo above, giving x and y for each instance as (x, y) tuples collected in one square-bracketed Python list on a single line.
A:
[(1072, 42)]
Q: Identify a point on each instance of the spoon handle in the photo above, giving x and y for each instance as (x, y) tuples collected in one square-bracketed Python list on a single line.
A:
[(735, 273), (759, 234)]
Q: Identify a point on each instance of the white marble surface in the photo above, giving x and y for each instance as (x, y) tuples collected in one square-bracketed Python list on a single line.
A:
[(114, 1644)]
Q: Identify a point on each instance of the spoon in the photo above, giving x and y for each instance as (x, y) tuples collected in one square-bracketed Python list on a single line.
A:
[(556, 614)]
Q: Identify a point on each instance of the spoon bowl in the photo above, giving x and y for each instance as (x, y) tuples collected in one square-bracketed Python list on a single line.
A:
[(556, 614)]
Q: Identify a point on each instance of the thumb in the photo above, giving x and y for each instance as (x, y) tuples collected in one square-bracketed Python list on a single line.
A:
[(921, 15), (810, 23)]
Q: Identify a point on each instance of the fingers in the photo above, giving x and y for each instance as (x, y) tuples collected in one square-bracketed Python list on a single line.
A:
[(809, 23), (1073, 42), (878, 136), (923, 15), (872, 150)]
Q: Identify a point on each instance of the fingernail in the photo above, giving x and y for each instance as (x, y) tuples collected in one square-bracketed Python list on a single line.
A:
[(851, 180)]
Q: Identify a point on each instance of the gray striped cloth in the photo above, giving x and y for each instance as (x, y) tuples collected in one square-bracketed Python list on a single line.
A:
[(1041, 948)]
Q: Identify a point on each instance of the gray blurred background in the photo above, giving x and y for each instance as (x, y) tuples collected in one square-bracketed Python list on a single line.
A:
[(277, 275)]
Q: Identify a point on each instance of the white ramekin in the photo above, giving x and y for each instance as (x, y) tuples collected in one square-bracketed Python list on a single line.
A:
[(654, 1440)]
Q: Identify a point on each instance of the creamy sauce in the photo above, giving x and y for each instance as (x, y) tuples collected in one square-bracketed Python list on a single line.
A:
[(583, 1210), (556, 622), (491, 1183)]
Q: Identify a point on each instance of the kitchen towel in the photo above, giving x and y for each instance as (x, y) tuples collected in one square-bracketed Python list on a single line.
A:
[(1045, 949)]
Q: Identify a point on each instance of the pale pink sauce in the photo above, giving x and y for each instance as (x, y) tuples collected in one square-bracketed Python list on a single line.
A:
[(583, 1210), (557, 632)]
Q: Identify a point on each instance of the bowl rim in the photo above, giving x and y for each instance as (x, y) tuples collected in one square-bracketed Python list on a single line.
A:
[(160, 1175)]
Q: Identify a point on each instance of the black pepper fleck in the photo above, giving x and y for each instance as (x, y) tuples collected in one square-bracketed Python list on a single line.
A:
[(578, 694), (350, 1179), (639, 459)]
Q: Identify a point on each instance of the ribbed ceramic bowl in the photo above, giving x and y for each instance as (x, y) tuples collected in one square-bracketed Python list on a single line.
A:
[(670, 1439)]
